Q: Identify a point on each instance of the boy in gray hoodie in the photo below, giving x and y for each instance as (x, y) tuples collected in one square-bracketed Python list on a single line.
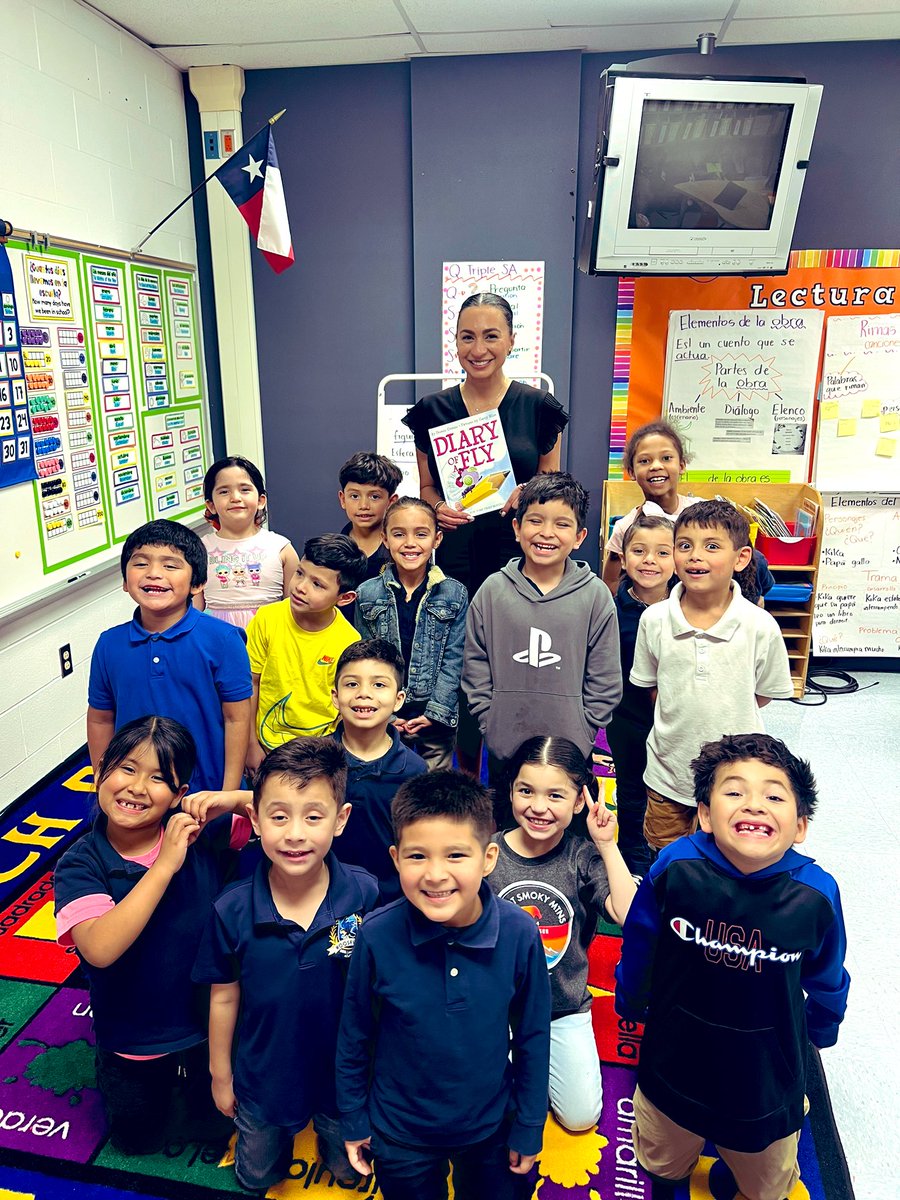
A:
[(542, 642)]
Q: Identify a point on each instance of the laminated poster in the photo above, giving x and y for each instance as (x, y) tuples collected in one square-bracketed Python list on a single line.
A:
[(473, 462), (739, 388)]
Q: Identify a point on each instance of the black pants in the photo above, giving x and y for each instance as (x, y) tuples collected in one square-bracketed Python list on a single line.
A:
[(137, 1096), (480, 1170), (628, 744)]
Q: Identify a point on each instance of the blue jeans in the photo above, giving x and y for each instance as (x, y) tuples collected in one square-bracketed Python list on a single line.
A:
[(480, 1170), (262, 1153)]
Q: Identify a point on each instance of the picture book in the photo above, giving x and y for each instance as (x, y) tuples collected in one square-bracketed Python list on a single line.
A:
[(473, 462)]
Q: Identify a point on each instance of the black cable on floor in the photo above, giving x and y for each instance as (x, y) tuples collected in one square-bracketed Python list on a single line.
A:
[(819, 692)]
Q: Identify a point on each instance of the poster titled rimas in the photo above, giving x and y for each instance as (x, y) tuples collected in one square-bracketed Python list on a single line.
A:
[(473, 462)]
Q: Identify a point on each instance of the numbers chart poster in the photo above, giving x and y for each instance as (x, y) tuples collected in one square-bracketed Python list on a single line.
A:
[(109, 351), (522, 284), (859, 413), (17, 450), (740, 388)]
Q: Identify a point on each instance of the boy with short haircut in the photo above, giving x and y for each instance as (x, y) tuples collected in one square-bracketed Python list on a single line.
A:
[(369, 484), (727, 931), (171, 660), (442, 985), (714, 658), (275, 953), (542, 642), (295, 643), (368, 690)]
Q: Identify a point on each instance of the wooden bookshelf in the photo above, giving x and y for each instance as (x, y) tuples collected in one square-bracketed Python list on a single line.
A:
[(795, 619)]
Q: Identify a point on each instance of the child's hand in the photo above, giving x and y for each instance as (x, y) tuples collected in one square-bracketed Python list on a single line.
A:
[(400, 726), (181, 832), (601, 823), (417, 725), (521, 1164), (223, 1096), (204, 806), (512, 502), (358, 1160)]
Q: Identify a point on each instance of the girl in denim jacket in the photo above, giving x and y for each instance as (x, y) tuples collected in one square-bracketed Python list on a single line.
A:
[(415, 606)]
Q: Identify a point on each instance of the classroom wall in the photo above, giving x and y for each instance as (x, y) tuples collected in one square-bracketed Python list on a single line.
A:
[(488, 148), (93, 138)]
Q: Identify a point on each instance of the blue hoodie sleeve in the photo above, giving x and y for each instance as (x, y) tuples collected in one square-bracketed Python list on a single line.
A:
[(640, 934), (825, 979)]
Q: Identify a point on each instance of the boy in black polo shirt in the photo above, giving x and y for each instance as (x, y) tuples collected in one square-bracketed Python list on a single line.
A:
[(443, 984), (275, 953)]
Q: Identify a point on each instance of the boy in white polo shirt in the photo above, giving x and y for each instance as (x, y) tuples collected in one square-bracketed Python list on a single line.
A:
[(714, 658)]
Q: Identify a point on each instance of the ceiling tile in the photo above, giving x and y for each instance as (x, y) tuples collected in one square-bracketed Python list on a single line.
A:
[(854, 27), (614, 38), (461, 16), (294, 54)]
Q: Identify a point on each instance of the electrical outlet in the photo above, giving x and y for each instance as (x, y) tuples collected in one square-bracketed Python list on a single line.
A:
[(65, 660)]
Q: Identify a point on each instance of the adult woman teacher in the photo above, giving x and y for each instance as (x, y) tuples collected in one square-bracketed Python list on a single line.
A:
[(475, 547)]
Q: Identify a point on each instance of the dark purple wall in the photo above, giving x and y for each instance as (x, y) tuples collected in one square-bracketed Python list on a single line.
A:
[(390, 169)]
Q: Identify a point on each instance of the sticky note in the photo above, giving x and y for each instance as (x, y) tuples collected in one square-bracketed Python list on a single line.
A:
[(890, 422), (829, 410), (847, 427), (886, 448), (871, 408)]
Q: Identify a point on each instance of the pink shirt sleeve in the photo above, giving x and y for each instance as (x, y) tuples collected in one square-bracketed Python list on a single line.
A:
[(85, 908), (614, 545), (240, 832)]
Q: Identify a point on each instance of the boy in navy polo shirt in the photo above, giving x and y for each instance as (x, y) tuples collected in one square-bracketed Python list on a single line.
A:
[(275, 953), (172, 660), (443, 985), (368, 690)]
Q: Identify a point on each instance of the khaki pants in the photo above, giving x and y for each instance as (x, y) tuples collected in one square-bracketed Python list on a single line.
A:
[(665, 820), (671, 1152)]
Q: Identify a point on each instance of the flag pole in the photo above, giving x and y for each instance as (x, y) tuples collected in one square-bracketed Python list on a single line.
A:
[(204, 182)]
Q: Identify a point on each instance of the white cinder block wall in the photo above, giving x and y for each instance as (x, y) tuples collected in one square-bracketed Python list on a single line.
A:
[(94, 147)]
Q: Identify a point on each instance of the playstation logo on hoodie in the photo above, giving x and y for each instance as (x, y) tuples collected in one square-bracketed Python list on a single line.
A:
[(538, 653)]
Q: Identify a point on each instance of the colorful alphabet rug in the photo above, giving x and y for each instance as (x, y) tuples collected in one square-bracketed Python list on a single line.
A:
[(53, 1139)]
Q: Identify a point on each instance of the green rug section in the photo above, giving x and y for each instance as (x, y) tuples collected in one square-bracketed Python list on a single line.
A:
[(187, 1162), (18, 1004)]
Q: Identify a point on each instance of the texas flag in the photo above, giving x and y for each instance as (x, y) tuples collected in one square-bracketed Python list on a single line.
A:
[(252, 179)]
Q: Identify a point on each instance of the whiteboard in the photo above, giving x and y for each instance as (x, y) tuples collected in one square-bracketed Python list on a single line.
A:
[(110, 354)]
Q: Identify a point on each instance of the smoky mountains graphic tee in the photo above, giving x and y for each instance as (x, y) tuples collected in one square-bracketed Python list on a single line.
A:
[(565, 892)]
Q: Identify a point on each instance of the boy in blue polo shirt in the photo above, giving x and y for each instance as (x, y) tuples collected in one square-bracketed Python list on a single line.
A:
[(275, 953), (170, 660), (444, 1044)]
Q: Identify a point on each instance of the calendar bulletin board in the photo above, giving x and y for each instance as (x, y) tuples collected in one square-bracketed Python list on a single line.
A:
[(103, 414)]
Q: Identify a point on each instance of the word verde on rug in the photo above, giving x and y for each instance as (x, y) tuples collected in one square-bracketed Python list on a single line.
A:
[(53, 1138)]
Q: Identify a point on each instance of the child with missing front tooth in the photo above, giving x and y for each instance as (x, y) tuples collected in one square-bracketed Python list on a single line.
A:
[(444, 1039), (133, 897), (275, 954), (726, 933), (714, 659), (565, 883)]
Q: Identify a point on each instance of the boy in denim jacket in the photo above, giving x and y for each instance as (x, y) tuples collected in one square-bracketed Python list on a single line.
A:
[(416, 608)]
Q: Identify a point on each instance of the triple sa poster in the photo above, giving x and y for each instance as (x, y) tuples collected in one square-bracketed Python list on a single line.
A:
[(473, 462)]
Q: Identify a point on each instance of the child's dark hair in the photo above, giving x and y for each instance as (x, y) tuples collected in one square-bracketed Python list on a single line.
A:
[(410, 502), (722, 514), (554, 752), (555, 485), (488, 300), (372, 469), (209, 483), (302, 760), (168, 533), (174, 746), (743, 747), (372, 650), (657, 429), (337, 552), (646, 521), (449, 794)]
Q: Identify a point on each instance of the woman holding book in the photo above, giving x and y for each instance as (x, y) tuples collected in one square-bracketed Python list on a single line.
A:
[(532, 421)]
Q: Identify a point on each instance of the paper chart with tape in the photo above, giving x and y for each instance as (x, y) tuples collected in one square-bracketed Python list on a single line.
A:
[(859, 410)]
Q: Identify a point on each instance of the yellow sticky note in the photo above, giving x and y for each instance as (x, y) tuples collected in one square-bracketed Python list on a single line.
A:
[(890, 422), (871, 408), (847, 427), (886, 448), (829, 410)]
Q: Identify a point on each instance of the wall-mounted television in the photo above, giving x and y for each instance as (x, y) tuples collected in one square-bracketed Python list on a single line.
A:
[(697, 176)]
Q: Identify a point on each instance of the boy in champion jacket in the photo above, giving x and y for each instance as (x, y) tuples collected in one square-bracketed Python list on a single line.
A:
[(542, 641), (727, 932)]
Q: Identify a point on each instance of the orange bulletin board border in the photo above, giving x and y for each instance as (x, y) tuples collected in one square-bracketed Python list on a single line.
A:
[(836, 282)]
